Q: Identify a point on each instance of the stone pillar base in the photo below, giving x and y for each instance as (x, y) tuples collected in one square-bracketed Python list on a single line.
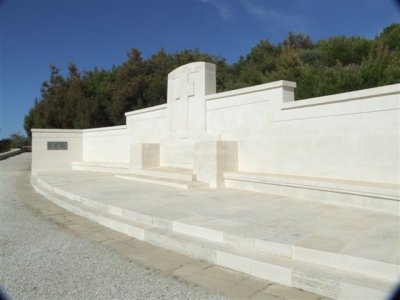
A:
[(145, 155), (212, 159)]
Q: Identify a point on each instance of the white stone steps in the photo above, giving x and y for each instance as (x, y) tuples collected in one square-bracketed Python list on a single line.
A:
[(118, 223), (365, 195), (166, 176), (226, 250), (176, 183), (321, 280), (380, 269), (124, 225), (363, 266), (65, 202), (101, 208), (117, 168), (169, 173)]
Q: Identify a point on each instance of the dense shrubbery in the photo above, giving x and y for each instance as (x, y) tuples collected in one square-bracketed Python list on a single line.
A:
[(18, 140), (15, 140), (5, 145), (101, 97)]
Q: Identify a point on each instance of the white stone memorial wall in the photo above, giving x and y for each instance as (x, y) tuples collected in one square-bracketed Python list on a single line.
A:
[(111, 144), (44, 159), (352, 136)]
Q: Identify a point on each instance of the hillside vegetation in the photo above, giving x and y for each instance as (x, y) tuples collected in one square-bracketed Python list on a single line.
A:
[(97, 98)]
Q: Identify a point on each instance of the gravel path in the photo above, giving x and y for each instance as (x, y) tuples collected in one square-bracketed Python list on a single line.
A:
[(41, 260)]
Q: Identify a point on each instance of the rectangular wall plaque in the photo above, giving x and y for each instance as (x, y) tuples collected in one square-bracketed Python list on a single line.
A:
[(57, 145)]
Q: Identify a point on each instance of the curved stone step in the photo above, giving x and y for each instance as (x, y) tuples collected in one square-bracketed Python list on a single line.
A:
[(176, 183), (169, 173), (199, 227), (186, 239), (121, 168)]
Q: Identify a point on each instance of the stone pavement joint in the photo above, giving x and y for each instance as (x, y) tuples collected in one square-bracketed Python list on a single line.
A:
[(260, 290)]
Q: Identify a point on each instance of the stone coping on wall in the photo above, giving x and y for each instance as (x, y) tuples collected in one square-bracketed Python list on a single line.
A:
[(252, 89), (146, 110), (10, 153), (342, 97), (52, 130), (121, 127)]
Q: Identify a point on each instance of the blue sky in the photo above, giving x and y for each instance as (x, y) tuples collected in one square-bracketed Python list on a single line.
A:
[(37, 33)]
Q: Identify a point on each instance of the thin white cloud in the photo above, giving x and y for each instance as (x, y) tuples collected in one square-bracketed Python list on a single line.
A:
[(271, 16), (224, 10), (229, 10)]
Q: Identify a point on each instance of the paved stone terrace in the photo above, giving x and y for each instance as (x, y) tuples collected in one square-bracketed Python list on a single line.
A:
[(49, 253), (26, 217), (349, 231)]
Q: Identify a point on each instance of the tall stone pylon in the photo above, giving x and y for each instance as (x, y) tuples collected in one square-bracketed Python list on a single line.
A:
[(187, 87)]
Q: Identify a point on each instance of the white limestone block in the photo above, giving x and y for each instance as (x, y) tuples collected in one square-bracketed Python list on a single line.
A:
[(212, 159), (145, 155)]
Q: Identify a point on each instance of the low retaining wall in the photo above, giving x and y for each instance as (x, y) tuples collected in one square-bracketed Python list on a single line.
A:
[(10, 153)]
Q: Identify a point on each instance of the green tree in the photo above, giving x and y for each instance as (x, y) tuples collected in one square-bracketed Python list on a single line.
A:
[(297, 41), (352, 50), (382, 66), (5, 145), (17, 140)]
